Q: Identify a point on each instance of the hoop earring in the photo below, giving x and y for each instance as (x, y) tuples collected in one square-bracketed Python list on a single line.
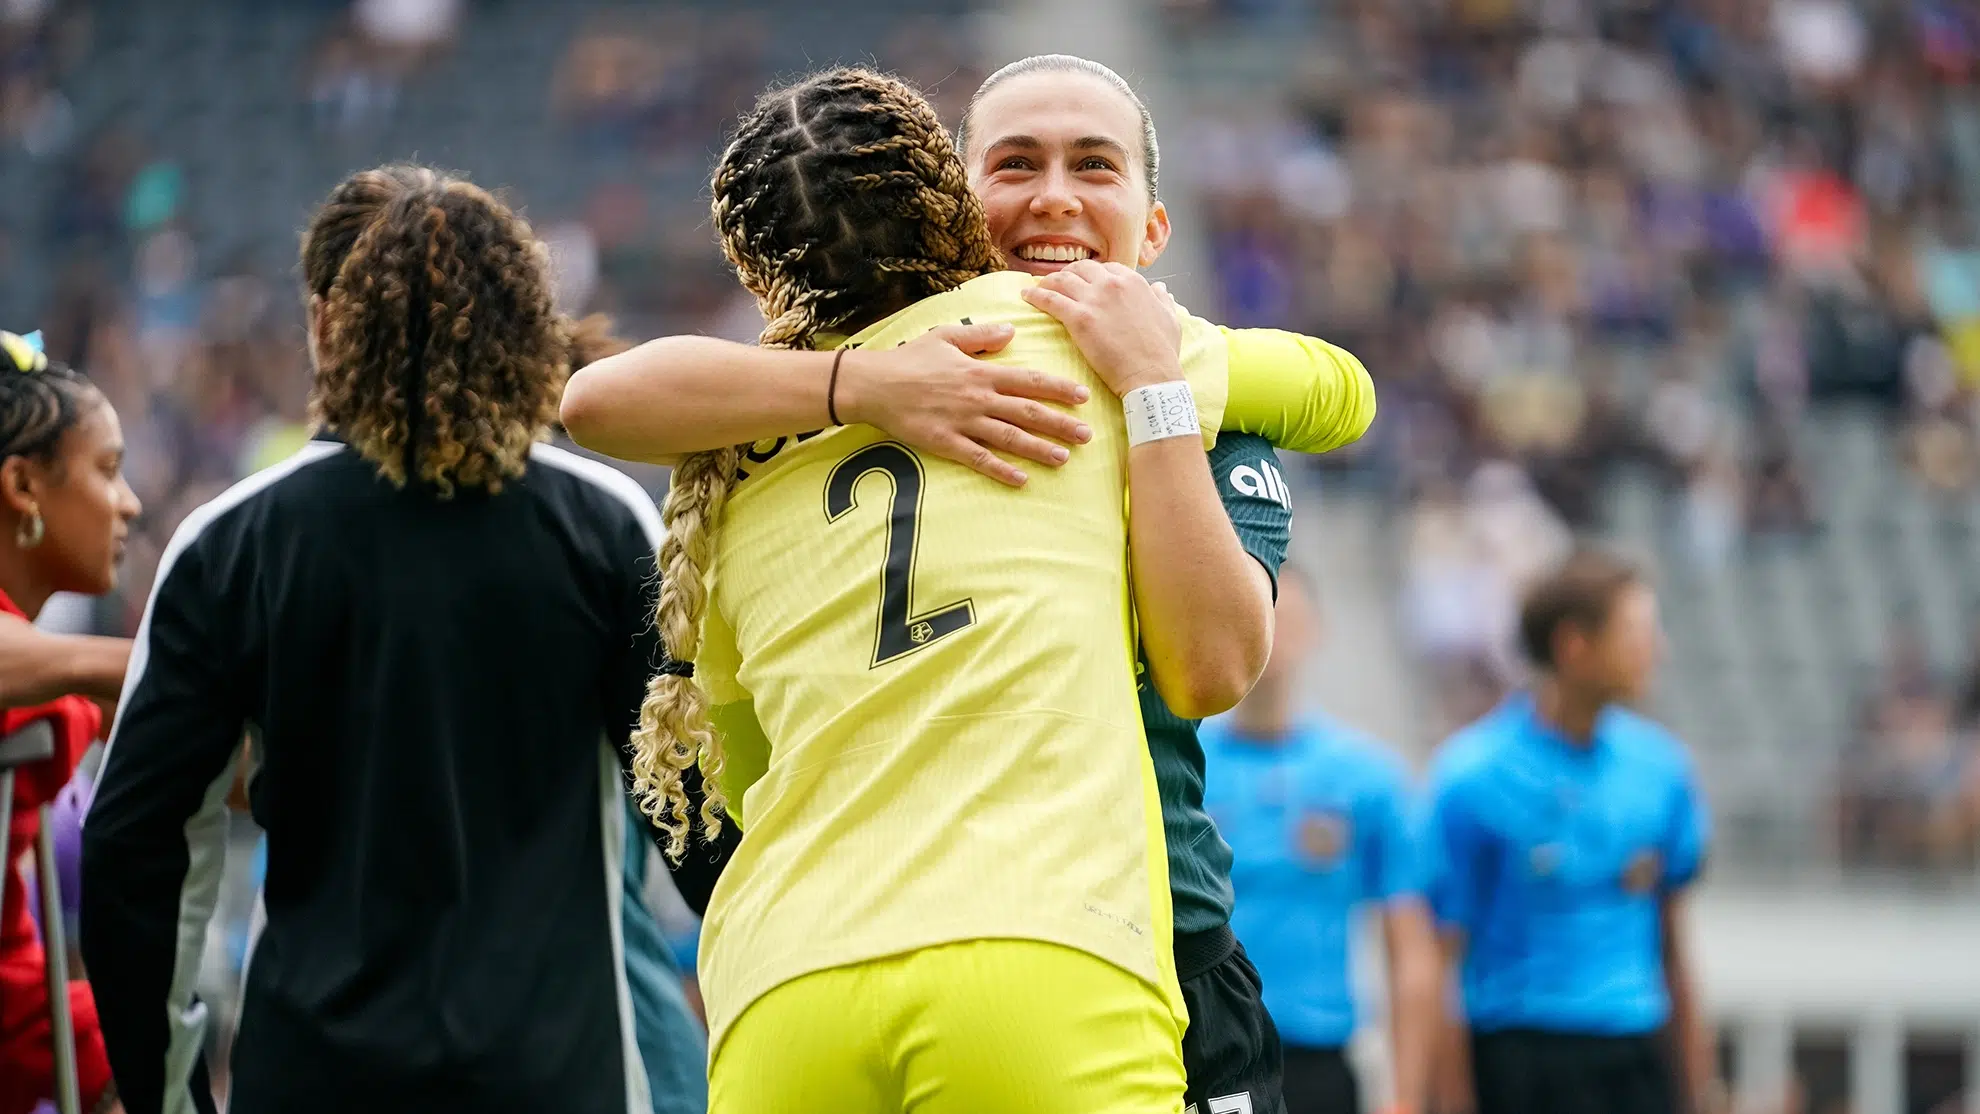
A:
[(31, 530)]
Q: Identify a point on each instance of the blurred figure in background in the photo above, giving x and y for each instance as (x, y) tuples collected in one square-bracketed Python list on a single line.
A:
[(1907, 783), (1320, 826), (1567, 829)]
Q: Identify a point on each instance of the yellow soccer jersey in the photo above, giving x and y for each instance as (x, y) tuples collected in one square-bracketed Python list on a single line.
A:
[(926, 682), (943, 669)]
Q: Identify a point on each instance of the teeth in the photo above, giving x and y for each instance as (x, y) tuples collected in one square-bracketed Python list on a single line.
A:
[(1053, 253)]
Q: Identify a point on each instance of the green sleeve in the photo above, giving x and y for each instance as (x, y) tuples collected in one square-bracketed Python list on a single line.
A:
[(1255, 496)]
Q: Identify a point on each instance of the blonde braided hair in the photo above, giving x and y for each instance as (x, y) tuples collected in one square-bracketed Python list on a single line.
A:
[(840, 200)]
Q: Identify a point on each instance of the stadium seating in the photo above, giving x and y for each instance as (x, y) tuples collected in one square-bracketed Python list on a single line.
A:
[(235, 113), (1773, 652)]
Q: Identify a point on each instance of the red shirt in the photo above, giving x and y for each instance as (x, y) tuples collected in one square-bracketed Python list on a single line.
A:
[(27, 1065), (76, 721)]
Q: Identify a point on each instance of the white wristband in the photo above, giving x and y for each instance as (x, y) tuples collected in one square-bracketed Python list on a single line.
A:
[(1160, 411)]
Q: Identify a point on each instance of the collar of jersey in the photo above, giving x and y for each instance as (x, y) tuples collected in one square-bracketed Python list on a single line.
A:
[(1537, 732), (983, 285)]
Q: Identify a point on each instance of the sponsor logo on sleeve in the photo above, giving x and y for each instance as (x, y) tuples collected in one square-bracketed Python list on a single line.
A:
[(1262, 480)]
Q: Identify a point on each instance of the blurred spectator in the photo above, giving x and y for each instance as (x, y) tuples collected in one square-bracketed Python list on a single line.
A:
[(574, 262), (1624, 233), (412, 26), (363, 64), (928, 53), (1454, 606), (1966, 701), (1467, 563), (1939, 441), (611, 79), (1949, 274), (1822, 42), (196, 343), (87, 213), (1777, 501), (1571, 238), (35, 43), (347, 92), (659, 84), (1910, 791)]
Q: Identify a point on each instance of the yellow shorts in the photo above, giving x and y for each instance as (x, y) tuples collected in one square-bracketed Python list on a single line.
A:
[(976, 1027)]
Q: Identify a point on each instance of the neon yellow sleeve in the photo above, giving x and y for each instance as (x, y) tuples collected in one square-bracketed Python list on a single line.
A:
[(745, 752), (1298, 392)]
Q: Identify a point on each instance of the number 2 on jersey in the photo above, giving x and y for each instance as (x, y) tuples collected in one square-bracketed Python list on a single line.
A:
[(901, 631)]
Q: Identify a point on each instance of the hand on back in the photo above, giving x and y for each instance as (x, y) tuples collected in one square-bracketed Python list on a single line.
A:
[(934, 394), (1125, 326)]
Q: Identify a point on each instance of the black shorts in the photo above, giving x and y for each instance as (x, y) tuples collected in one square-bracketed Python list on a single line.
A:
[(1319, 1081), (1522, 1071), (1231, 1048)]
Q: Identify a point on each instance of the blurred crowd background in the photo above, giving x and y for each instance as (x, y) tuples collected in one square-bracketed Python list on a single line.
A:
[(1700, 278)]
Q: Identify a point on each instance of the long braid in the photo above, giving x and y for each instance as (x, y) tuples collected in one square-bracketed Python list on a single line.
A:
[(838, 201), (674, 733)]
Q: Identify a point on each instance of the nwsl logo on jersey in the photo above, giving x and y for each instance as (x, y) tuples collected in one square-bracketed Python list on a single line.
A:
[(1262, 481)]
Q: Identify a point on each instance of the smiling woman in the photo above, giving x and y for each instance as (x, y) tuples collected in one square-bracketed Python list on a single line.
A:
[(1069, 65), (1065, 157)]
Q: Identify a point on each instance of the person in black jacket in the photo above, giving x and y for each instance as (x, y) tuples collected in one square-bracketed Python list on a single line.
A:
[(437, 632)]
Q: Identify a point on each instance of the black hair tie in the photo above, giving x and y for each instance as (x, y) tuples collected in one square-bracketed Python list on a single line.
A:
[(832, 389), (678, 669)]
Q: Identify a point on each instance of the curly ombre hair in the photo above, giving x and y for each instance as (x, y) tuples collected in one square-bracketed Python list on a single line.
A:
[(440, 354)]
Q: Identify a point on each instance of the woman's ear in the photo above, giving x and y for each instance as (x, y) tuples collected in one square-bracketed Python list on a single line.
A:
[(1154, 237), (313, 325), (20, 485)]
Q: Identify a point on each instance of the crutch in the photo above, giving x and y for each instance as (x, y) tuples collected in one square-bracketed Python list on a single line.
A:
[(36, 743)]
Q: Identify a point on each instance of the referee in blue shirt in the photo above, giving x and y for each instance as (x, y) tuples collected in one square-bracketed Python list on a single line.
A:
[(1567, 829), (1319, 822)]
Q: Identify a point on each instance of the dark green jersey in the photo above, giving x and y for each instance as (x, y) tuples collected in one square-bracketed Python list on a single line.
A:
[(1255, 496)]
